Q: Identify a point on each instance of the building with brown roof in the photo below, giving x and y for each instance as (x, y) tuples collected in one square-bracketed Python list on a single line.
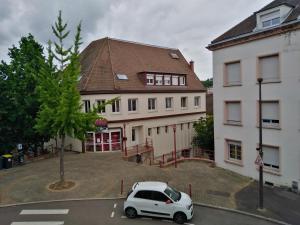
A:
[(265, 45), (157, 88)]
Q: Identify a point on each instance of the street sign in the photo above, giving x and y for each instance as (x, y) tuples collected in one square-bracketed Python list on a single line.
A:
[(259, 161)]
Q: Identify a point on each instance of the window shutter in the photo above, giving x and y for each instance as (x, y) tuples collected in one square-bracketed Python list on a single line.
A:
[(271, 155), (234, 112), (270, 110), (270, 16), (233, 73), (269, 68)]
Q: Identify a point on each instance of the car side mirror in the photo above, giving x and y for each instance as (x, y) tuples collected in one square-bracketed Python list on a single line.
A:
[(168, 201)]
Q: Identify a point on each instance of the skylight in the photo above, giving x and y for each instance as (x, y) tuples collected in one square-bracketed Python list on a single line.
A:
[(174, 55), (122, 77)]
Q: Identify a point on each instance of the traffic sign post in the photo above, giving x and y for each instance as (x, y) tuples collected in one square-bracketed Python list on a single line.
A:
[(259, 161)]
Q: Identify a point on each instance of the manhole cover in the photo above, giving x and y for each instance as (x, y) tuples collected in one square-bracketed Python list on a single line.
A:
[(218, 193)]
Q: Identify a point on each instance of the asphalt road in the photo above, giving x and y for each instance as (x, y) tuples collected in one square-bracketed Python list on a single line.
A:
[(97, 212)]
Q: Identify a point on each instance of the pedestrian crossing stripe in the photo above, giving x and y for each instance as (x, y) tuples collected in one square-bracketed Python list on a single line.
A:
[(39, 223), (44, 212)]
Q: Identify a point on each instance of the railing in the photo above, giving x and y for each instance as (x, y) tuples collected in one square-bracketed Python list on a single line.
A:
[(185, 154)]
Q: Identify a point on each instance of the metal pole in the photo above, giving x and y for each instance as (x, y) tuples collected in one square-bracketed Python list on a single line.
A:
[(261, 191)]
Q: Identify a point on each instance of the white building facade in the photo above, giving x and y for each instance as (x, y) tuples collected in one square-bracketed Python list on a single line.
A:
[(156, 89), (270, 50)]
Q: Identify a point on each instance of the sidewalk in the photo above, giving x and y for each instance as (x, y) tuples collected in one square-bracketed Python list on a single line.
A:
[(279, 204)]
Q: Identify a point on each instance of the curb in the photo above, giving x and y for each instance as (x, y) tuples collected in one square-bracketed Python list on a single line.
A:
[(242, 212), (119, 198)]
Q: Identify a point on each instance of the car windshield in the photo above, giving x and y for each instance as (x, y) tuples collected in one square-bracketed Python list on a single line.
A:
[(173, 194)]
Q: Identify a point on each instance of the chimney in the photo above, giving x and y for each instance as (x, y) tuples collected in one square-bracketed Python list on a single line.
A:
[(192, 65)]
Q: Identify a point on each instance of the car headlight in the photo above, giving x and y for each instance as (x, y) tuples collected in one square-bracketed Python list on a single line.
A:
[(188, 207)]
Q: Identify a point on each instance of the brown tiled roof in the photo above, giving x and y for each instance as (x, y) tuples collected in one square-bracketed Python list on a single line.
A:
[(103, 59), (248, 25)]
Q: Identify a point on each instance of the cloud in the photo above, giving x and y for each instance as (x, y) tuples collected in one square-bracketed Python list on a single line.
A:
[(187, 25)]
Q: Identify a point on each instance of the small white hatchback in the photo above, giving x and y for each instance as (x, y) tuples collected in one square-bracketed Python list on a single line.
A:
[(159, 200)]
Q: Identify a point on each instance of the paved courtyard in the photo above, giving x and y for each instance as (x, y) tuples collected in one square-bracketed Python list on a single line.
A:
[(100, 175)]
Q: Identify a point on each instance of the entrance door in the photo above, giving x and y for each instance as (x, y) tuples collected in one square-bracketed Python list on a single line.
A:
[(106, 142), (135, 135), (115, 137)]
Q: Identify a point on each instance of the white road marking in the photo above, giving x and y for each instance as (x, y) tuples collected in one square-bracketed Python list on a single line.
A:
[(44, 212), (169, 221), (39, 223), (189, 224), (112, 214), (115, 205), (146, 218), (123, 217)]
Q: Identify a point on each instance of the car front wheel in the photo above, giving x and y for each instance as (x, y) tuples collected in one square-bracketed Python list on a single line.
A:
[(130, 212), (180, 218)]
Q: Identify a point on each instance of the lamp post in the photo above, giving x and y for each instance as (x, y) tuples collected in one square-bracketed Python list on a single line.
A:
[(175, 155), (261, 192)]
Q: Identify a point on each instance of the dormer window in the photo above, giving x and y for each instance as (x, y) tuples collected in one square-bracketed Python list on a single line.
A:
[(150, 79), (270, 19), (159, 80)]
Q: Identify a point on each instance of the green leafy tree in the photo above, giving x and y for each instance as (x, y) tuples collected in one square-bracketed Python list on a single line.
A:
[(208, 83), (60, 99), (18, 100), (204, 133)]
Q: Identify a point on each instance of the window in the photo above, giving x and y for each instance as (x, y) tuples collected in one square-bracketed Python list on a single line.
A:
[(232, 74), (151, 104), (158, 130), (188, 125), (270, 19), (132, 105), (144, 195), (197, 101), (100, 106), (167, 79), (158, 196), (271, 157), (183, 102), (169, 103), (149, 132), (181, 126), (116, 106), (174, 55), (174, 80), (122, 77), (182, 80), (87, 106), (133, 137), (270, 114), (166, 129), (159, 80), (269, 68), (233, 113), (150, 79), (234, 150)]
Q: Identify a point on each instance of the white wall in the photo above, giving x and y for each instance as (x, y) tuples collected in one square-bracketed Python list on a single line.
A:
[(287, 92)]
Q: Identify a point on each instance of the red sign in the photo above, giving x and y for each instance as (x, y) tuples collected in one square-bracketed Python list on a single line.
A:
[(259, 161)]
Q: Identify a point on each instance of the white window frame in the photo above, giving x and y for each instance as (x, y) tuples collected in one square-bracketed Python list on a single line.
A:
[(271, 122), (116, 106), (130, 104), (87, 106), (273, 20), (184, 100), (159, 80), (152, 104), (167, 80), (260, 72), (175, 78), (269, 165), (227, 81), (182, 80), (197, 101), (150, 79), (101, 102), (171, 103), (237, 147), (229, 121)]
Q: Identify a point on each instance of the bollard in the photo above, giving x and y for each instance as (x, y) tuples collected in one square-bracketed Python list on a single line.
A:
[(190, 190), (163, 158), (122, 184)]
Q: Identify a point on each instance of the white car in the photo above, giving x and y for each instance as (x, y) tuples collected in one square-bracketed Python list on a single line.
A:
[(159, 200)]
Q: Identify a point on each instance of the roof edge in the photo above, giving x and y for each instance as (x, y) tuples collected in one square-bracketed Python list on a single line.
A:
[(139, 91)]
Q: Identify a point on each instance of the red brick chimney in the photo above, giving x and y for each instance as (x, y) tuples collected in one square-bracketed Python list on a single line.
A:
[(192, 65)]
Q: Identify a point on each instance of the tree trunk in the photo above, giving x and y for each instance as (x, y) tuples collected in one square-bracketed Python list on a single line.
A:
[(62, 169)]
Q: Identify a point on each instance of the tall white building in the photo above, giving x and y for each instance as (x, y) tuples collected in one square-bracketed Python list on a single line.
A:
[(266, 45), (157, 89)]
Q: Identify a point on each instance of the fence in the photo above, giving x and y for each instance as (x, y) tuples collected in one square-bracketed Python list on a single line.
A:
[(185, 154)]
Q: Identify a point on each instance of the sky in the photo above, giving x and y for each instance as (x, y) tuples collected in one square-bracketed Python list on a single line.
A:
[(189, 25)]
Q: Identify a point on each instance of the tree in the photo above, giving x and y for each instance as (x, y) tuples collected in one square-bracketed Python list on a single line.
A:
[(19, 101), (60, 99), (204, 133), (208, 83)]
